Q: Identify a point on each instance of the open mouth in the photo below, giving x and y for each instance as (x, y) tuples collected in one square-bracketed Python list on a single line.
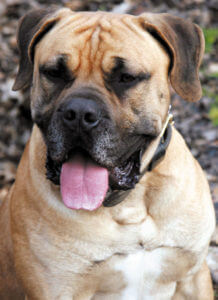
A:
[(84, 183), (125, 176)]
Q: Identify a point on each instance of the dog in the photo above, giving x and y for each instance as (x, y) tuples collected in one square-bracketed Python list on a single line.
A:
[(108, 202)]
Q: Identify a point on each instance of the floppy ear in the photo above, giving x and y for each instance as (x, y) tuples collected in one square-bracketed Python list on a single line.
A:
[(185, 43), (33, 26)]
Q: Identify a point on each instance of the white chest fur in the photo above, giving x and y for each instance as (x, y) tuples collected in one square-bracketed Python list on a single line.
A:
[(141, 272)]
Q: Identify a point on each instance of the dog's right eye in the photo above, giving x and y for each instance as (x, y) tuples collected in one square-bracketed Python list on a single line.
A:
[(51, 74), (57, 72)]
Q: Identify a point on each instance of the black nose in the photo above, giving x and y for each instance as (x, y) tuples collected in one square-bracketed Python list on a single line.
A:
[(80, 112)]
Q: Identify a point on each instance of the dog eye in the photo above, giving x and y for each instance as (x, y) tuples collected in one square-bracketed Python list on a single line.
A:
[(58, 72), (127, 78), (52, 73)]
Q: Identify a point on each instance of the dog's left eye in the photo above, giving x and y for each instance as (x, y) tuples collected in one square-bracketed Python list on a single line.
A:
[(127, 78)]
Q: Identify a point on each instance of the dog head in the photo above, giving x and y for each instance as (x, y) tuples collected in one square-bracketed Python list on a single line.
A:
[(99, 83)]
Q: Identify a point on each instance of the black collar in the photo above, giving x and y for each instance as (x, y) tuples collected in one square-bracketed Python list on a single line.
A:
[(114, 197)]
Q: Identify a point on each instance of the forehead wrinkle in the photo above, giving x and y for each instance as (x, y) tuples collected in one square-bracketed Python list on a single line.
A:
[(127, 32), (67, 22), (88, 31), (112, 32), (94, 25), (132, 26), (95, 41), (76, 24), (86, 24)]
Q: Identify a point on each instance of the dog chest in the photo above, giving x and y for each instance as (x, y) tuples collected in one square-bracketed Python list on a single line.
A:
[(141, 272)]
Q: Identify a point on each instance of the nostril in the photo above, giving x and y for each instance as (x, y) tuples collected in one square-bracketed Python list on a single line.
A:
[(80, 113), (70, 115), (90, 118)]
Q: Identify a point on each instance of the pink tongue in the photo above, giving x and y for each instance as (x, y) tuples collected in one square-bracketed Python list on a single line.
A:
[(83, 183)]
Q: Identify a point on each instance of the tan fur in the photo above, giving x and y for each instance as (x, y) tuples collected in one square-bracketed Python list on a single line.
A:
[(60, 253)]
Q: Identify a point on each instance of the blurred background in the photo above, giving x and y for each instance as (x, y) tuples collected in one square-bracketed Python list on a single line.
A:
[(198, 122)]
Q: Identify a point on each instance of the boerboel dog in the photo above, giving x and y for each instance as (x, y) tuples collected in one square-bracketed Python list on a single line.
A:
[(108, 202)]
